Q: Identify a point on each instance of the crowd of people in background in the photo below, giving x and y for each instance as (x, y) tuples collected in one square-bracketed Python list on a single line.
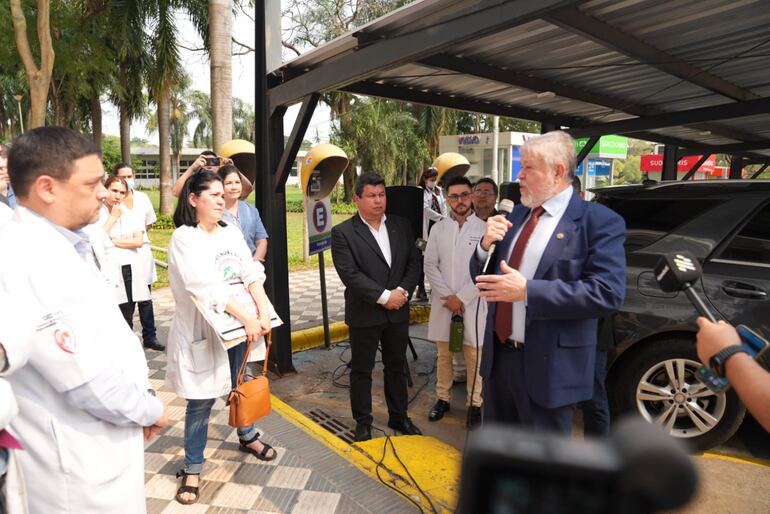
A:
[(516, 307)]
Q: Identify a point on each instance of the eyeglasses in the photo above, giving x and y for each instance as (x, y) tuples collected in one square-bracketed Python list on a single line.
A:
[(461, 196), (483, 194)]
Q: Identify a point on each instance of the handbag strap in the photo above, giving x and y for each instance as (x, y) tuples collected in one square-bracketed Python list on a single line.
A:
[(242, 371)]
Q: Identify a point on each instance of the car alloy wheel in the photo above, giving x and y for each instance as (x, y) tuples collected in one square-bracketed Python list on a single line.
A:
[(669, 394)]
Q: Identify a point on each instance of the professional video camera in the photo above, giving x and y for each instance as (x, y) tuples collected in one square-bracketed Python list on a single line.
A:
[(639, 469)]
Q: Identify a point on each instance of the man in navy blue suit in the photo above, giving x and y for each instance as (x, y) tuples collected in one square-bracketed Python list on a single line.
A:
[(558, 266)]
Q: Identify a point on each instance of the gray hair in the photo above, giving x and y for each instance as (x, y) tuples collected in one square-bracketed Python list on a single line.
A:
[(555, 148)]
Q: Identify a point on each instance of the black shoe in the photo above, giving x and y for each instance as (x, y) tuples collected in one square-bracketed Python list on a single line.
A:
[(474, 417), (155, 345), (363, 432), (405, 426), (438, 410)]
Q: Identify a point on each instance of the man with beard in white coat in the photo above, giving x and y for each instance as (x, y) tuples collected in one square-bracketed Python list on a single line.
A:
[(84, 397), (450, 247)]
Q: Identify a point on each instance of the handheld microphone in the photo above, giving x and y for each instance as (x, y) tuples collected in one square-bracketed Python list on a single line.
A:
[(678, 272), (505, 207)]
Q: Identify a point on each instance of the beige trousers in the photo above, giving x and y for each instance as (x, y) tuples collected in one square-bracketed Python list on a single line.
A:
[(445, 374)]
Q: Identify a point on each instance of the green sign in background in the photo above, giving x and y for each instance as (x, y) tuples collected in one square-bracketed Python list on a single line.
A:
[(608, 147)]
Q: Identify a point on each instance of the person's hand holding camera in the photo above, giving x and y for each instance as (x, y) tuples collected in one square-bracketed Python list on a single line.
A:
[(198, 164)]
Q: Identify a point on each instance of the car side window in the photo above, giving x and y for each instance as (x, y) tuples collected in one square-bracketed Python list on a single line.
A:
[(752, 243), (647, 219)]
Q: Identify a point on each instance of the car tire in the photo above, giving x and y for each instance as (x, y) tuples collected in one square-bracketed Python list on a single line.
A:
[(643, 385)]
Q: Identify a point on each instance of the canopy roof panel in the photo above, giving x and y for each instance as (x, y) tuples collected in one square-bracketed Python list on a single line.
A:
[(694, 73)]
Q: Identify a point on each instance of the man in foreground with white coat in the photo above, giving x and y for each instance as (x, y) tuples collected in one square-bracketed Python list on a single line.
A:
[(84, 396)]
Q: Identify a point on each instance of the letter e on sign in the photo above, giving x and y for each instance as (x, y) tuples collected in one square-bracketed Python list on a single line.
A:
[(320, 217)]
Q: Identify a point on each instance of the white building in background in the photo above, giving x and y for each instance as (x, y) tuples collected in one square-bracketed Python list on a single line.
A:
[(148, 170), (478, 148)]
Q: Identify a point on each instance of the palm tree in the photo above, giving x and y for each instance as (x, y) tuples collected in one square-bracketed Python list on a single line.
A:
[(179, 119), (130, 44), (244, 126), (165, 73), (220, 50), (200, 110)]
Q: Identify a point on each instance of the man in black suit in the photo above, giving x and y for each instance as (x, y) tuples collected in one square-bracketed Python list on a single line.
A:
[(377, 260)]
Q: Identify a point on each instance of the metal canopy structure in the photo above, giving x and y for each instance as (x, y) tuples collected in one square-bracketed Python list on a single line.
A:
[(692, 74)]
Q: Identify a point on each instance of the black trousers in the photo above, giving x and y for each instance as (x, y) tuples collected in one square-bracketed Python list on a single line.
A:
[(363, 348), (506, 399), (127, 308)]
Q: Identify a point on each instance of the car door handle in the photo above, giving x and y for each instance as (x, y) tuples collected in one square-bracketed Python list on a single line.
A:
[(743, 291)]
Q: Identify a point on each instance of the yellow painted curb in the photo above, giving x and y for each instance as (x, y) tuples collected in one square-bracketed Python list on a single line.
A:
[(338, 331), (434, 465), (756, 461), (314, 337)]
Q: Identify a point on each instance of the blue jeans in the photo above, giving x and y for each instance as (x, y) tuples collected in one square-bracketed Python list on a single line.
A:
[(196, 421), (596, 411)]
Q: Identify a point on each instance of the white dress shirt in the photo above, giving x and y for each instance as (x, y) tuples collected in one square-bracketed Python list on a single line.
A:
[(554, 210), (383, 241)]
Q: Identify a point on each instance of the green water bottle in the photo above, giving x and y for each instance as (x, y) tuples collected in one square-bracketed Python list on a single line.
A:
[(456, 333)]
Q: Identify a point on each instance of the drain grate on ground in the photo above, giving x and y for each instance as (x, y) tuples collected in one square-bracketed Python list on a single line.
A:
[(332, 424)]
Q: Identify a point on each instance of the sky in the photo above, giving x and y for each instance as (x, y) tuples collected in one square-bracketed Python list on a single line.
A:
[(196, 63)]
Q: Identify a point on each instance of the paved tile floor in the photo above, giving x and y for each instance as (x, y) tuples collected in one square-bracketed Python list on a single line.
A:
[(306, 477)]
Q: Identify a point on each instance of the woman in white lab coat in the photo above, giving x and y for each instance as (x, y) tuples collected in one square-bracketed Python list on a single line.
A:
[(125, 237), (206, 256)]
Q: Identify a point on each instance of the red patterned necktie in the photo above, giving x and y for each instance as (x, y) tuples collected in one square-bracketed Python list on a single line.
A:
[(504, 312)]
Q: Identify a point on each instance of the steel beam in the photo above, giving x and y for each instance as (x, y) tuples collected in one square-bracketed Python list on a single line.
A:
[(736, 167), (759, 171), (514, 78), (482, 70), (573, 19), (548, 127), (732, 148), (289, 153), (487, 17), (672, 119), (272, 206), (697, 165), (445, 100), (587, 149), (669, 163)]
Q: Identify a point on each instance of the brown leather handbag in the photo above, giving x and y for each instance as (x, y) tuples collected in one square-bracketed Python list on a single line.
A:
[(250, 399)]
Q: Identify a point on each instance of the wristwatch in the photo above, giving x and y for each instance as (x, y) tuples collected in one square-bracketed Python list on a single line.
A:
[(719, 359)]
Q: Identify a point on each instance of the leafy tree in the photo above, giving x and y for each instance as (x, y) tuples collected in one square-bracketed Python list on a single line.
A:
[(312, 23), (38, 76), (382, 136)]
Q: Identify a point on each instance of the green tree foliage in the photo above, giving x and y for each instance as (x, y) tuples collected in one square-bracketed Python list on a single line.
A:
[(383, 136), (627, 171)]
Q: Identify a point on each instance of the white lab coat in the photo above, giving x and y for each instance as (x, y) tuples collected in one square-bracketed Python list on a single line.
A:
[(428, 214), (73, 461), (5, 212), (145, 212), (450, 248), (125, 227), (14, 329), (203, 264)]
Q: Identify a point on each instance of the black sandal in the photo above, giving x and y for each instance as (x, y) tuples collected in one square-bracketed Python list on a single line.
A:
[(260, 455), (184, 488)]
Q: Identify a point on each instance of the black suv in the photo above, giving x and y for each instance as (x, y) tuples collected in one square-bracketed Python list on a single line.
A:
[(726, 224)]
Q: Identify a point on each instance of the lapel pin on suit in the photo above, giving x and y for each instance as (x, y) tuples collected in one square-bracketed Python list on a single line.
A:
[(560, 235)]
